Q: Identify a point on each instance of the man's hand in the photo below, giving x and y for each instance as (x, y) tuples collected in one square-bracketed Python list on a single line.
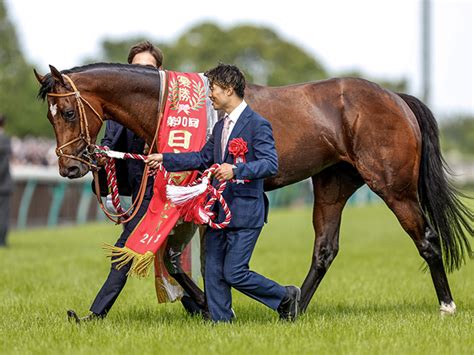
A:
[(224, 172), (153, 160)]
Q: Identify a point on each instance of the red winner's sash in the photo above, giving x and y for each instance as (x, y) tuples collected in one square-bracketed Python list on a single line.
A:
[(182, 129)]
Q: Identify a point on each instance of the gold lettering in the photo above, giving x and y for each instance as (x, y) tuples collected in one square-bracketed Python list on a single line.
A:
[(180, 138), (178, 178), (158, 226)]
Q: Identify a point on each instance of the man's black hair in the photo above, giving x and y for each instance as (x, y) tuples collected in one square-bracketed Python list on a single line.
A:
[(227, 76)]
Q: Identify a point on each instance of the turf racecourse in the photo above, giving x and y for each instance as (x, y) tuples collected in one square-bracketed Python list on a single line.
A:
[(374, 299)]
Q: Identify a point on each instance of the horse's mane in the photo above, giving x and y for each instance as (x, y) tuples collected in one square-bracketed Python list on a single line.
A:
[(48, 82)]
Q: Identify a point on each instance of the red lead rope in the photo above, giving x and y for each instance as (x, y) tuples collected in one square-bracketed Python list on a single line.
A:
[(191, 210), (103, 151)]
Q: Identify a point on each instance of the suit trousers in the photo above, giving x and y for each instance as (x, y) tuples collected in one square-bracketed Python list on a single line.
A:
[(228, 253), (116, 279)]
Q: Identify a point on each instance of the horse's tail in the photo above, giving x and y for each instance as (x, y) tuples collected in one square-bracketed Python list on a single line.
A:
[(440, 200)]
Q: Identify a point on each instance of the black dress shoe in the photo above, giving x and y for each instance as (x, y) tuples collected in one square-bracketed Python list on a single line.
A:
[(193, 309), (73, 317), (289, 306)]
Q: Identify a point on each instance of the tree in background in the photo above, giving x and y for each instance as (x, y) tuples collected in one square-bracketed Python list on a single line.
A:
[(260, 52), (18, 87), (457, 136), (264, 56)]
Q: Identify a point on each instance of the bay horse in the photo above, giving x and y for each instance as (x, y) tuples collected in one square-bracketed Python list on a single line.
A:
[(342, 133)]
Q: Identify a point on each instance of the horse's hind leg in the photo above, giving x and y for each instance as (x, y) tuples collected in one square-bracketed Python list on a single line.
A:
[(396, 182), (332, 188), (174, 248), (407, 209)]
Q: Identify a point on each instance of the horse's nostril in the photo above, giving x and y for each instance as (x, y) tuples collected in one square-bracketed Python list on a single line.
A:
[(73, 172)]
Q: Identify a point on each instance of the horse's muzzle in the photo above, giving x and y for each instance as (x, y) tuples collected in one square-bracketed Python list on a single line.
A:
[(73, 171)]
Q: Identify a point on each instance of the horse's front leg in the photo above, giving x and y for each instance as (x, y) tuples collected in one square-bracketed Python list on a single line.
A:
[(332, 188), (172, 259)]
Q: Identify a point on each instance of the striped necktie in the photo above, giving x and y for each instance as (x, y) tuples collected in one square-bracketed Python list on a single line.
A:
[(225, 134)]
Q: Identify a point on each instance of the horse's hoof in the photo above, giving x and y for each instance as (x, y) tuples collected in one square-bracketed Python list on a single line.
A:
[(447, 309)]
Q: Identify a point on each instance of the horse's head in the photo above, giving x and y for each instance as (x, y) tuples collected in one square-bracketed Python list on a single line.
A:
[(75, 120)]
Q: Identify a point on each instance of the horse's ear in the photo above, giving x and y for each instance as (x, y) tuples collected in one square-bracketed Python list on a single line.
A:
[(56, 74), (39, 77)]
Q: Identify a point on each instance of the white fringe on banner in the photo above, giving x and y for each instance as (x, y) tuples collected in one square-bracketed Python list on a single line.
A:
[(182, 194)]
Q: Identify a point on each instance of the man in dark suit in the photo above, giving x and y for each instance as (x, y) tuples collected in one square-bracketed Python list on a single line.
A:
[(6, 184), (228, 250), (119, 138)]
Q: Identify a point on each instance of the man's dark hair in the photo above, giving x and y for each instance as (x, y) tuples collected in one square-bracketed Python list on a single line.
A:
[(227, 76), (3, 118), (146, 46)]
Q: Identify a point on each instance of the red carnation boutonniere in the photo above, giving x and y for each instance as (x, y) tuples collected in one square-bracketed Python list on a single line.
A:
[(238, 148)]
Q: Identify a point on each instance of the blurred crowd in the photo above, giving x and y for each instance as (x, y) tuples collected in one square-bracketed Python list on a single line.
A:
[(33, 151)]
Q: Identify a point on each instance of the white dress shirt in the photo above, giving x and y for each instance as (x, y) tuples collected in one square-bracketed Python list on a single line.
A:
[(234, 116)]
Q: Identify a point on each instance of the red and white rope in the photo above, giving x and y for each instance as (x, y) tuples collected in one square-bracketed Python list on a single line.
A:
[(215, 194), (112, 182)]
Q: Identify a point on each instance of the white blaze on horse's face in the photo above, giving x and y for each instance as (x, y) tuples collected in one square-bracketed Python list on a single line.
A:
[(53, 109)]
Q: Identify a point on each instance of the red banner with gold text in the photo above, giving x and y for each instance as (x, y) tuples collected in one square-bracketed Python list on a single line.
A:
[(182, 129)]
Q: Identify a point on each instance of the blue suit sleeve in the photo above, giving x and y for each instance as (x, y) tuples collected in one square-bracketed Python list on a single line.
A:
[(110, 130), (265, 152), (193, 160)]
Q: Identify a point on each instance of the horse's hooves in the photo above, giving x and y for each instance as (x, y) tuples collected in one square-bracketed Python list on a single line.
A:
[(447, 309)]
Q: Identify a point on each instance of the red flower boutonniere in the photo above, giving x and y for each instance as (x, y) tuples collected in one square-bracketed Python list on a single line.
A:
[(238, 148)]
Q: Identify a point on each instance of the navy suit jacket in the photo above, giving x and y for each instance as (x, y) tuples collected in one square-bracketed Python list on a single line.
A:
[(129, 172), (247, 202)]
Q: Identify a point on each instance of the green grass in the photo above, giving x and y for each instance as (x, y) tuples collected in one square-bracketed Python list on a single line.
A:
[(374, 299)]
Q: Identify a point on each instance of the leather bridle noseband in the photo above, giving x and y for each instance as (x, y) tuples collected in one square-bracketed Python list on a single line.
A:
[(84, 135)]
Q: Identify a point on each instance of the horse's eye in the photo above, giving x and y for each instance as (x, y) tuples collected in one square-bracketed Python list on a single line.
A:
[(69, 115)]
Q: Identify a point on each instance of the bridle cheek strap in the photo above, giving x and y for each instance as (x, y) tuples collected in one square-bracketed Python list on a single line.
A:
[(84, 124)]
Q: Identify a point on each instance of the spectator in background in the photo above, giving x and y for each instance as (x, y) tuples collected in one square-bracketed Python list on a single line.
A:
[(38, 151), (6, 184)]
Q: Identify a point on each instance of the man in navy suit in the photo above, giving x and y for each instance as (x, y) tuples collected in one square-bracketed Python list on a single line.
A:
[(228, 250)]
